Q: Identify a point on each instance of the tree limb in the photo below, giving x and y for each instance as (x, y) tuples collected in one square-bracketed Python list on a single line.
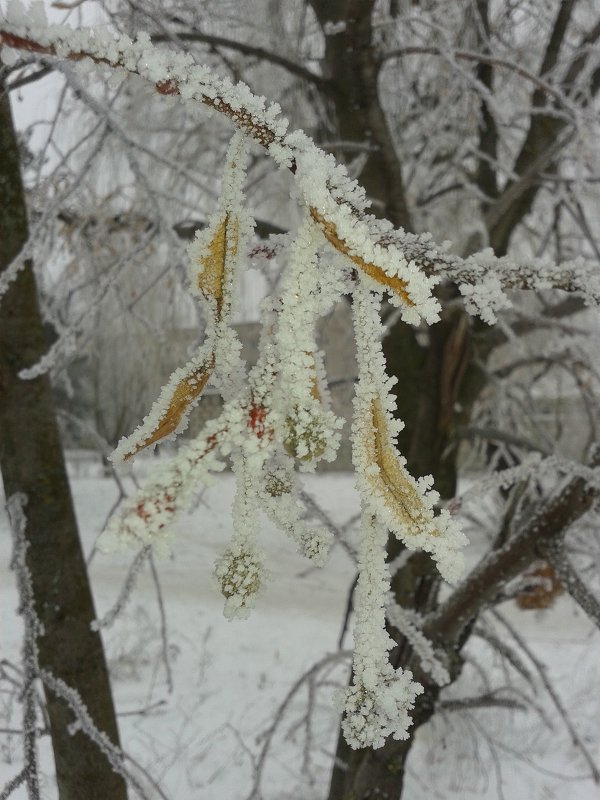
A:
[(18, 83), (448, 622), (332, 201)]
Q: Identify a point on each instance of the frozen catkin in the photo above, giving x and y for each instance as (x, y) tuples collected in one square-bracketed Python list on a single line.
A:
[(377, 704)]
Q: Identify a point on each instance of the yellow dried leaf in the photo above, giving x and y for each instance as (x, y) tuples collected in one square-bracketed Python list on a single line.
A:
[(182, 395), (223, 244), (392, 481), (395, 285)]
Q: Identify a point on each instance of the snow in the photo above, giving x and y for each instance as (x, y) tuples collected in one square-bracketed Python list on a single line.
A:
[(230, 677)]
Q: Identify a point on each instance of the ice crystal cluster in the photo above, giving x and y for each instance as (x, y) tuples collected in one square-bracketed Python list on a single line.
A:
[(276, 421)]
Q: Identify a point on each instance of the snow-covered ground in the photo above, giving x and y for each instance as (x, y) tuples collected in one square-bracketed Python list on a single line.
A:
[(201, 740)]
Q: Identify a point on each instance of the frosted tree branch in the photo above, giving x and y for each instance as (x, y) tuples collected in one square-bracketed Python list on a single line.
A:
[(481, 586), (543, 673), (554, 552), (407, 265), (85, 723), (13, 784), (126, 589), (32, 629)]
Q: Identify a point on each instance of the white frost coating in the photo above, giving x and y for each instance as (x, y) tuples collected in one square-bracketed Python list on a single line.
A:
[(378, 702), (438, 535), (279, 501), (406, 623), (239, 571), (308, 428), (333, 28)]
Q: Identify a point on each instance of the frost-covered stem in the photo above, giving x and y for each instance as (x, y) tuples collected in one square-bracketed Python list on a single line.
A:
[(240, 571), (126, 590), (13, 785), (32, 629), (408, 626), (164, 636), (378, 701), (85, 723)]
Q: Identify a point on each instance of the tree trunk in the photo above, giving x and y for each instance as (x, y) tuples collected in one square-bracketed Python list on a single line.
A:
[(32, 462), (431, 377)]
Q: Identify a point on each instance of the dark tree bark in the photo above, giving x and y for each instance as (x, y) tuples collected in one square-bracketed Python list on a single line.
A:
[(435, 373), (439, 382), (32, 462)]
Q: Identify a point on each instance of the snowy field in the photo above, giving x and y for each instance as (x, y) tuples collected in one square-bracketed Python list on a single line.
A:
[(197, 704)]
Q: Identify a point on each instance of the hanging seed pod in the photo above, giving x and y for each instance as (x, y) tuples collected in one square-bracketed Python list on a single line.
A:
[(240, 575), (276, 485), (305, 437)]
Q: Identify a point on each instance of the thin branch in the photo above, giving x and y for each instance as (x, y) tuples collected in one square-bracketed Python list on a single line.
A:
[(164, 636), (554, 553), (18, 83), (126, 590), (248, 50), (32, 629), (480, 588), (488, 700), (319, 513), (263, 229), (347, 612), (543, 673), (270, 732), (12, 785), (480, 58)]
